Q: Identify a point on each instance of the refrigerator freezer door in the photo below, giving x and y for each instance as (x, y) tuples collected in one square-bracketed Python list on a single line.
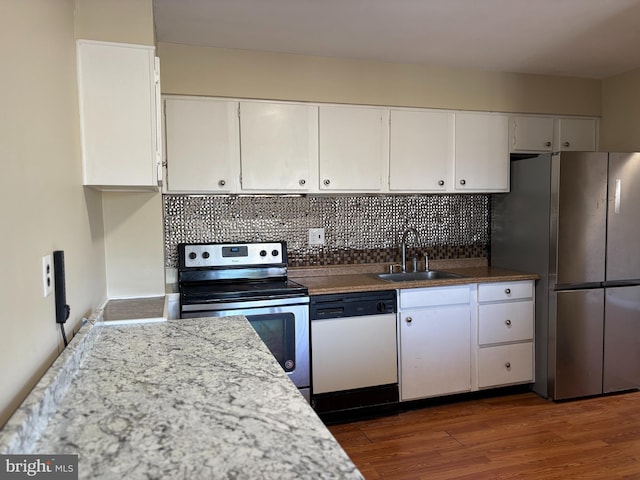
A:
[(622, 339), (578, 344), (580, 189), (623, 258)]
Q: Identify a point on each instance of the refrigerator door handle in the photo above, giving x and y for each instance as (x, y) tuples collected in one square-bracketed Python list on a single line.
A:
[(616, 196)]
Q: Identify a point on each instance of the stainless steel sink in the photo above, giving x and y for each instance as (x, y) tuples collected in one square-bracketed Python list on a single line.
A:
[(416, 276)]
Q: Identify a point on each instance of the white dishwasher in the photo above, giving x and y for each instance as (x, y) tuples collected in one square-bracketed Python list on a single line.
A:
[(354, 356)]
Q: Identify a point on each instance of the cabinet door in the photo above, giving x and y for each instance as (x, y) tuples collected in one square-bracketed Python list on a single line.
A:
[(421, 151), (279, 146), (353, 148), (435, 346), (118, 114), (531, 134), (575, 134), (481, 152), (201, 144)]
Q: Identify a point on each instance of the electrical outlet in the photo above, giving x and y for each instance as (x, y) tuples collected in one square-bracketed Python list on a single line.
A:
[(316, 236), (47, 275)]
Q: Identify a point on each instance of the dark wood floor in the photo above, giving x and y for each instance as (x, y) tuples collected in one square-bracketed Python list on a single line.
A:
[(520, 436)]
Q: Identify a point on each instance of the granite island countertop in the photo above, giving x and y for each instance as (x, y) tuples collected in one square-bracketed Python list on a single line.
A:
[(188, 399)]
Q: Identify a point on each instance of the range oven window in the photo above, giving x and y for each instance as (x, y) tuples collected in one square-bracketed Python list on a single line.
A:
[(277, 331)]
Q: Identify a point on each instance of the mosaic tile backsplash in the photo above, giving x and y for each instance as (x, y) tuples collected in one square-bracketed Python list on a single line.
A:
[(358, 229)]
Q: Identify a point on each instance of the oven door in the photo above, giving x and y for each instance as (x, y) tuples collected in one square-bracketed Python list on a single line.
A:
[(283, 328)]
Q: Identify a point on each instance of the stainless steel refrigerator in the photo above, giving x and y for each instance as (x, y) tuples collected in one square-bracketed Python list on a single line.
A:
[(574, 218)]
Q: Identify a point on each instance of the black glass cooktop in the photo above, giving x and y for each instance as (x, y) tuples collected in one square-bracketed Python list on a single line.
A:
[(214, 292)]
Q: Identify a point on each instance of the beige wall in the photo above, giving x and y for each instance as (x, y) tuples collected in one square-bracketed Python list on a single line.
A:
[(132, 221), (134, 244), (126, 21), (193, 70), (43, 206), (620, 126)]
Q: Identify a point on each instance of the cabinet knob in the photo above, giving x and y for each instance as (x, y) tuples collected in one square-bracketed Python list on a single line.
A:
[(507, 291), (463, 182), (566, 144), (508, 364), (441, 182), (507, 323), (547, 144), (327, 181), (408, 319), (222, 183), (302, 182)]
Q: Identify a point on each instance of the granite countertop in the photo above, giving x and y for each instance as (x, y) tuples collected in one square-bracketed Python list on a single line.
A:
[(182, 399), (362, 278), (135, 310)]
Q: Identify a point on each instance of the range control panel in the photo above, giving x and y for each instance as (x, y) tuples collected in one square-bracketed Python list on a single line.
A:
[(236, 254)]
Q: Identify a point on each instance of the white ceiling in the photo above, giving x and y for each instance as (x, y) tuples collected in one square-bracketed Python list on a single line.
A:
[(584, 38)]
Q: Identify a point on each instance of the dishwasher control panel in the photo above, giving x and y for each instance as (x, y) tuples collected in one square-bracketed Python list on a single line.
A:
[(341, 305)]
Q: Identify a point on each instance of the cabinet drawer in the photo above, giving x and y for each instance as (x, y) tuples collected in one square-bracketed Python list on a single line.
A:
[(493, 292), (429, 297), (505, 365), (505, 322)]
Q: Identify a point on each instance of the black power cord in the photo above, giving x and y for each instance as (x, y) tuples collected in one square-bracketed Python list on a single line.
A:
[(62, 309), (64, 335)]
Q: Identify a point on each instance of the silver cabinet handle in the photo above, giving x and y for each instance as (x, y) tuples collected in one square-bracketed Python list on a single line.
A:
[(566, 144), (463, 182), (222, 183), (507, 323), (441, 182), (327, 181), (507, 291), (408, 319), (302, 181), (547, 144), (508, 365)]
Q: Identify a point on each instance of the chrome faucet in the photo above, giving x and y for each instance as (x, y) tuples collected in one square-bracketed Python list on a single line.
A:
[(403, 245)]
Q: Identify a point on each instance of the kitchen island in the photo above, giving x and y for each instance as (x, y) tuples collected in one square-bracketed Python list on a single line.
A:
[(183, 399)]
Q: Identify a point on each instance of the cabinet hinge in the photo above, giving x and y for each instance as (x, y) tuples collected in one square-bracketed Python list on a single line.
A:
[(160, 169), (156, 70)]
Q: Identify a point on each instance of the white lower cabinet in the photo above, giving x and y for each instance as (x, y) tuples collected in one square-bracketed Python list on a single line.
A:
[(465, 338), (505, 334), (435, 341)]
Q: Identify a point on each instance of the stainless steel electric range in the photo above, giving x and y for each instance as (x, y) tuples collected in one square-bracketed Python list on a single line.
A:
[(250, 279)]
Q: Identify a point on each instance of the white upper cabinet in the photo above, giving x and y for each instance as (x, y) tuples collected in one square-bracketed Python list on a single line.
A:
[(202, 145), (223, 145), (539, 134), (575, 134), (531, 134), (118, 87), (421, 151), (353, 148), (481, 152), (279, 146)]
